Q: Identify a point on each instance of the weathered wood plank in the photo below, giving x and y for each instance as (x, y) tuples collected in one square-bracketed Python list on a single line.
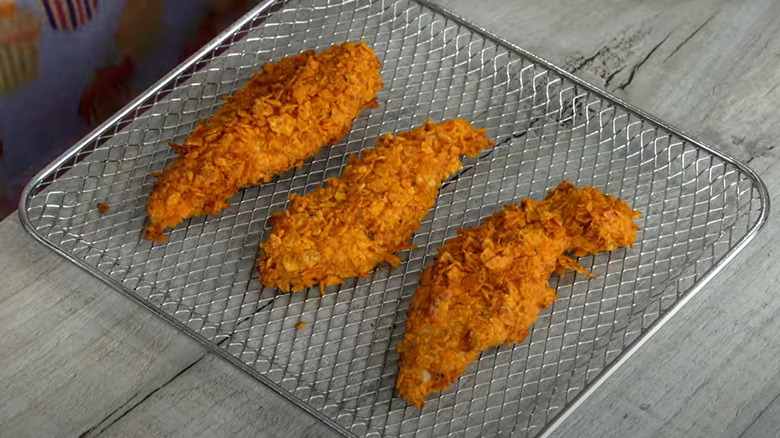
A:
[(213, 398), (74, 352), (767, 424), (709, 67)]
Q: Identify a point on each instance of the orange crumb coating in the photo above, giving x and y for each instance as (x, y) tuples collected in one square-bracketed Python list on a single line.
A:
[(284, 114), (364, 217), (487, 284)]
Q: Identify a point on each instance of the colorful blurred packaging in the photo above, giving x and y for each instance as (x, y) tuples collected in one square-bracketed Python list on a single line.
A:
[(69, 14), (19, 33)]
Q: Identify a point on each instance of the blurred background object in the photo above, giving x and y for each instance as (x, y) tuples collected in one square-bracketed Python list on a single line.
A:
[(68, 65), (19, 31), (69, 15)]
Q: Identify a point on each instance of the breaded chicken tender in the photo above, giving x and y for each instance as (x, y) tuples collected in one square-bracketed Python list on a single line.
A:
[(365, 216), (487, 284), (284, 114)]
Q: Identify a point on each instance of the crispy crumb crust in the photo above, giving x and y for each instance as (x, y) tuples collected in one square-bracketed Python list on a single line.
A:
[(284, 114), (365, 216), (487, 285)]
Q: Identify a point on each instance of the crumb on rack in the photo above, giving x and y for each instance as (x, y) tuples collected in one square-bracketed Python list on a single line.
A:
[(299, 325), (102, 207)]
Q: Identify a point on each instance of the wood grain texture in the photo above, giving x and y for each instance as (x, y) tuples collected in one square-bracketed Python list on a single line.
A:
[(77, 357), (213, 398), (80, 359), (74, 352), (766, 425), (708, 67)]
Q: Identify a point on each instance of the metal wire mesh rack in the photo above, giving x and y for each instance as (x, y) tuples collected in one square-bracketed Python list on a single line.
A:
[(699, 208)]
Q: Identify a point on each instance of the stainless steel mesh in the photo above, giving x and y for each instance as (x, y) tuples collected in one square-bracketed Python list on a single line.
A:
[(698, 207)]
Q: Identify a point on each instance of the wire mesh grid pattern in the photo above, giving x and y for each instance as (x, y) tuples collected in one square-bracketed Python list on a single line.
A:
[(697, 207)]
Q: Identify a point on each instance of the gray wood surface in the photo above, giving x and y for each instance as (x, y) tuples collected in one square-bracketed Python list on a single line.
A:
[(211, 399), (79, 359), (73, 351)]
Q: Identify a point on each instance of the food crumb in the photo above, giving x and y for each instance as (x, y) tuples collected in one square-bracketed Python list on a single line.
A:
[(299, 325), (102, 207)]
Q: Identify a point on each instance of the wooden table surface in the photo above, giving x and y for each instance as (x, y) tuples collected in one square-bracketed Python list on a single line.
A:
[(79, 359)]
